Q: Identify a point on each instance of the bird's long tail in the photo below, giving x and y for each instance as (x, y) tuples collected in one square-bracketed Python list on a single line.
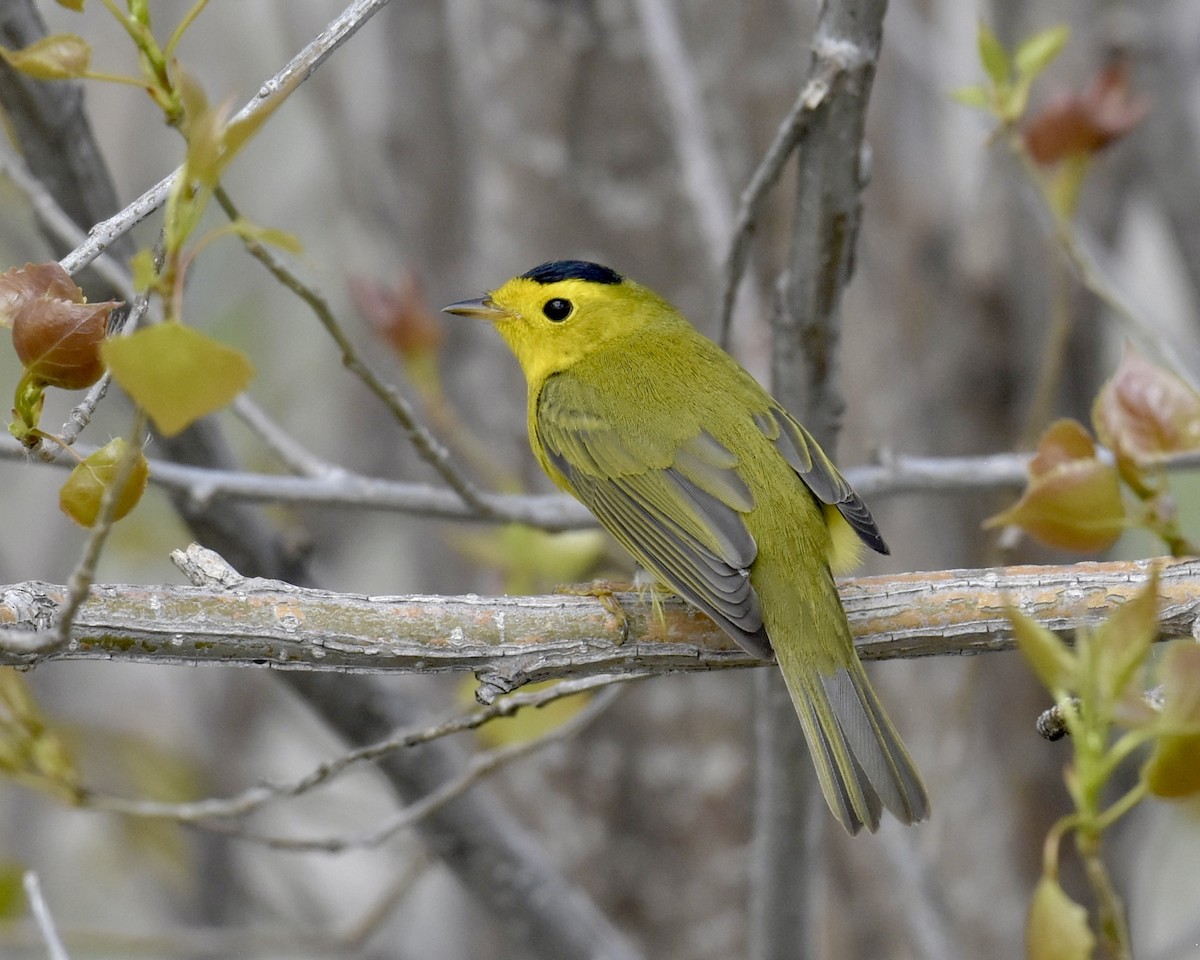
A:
[(861, 763)]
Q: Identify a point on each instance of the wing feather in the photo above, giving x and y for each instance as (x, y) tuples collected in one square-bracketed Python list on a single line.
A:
[(797, 446), (678, 511)]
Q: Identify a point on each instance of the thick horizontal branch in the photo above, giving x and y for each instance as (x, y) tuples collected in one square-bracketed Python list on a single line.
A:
[(509, 641)]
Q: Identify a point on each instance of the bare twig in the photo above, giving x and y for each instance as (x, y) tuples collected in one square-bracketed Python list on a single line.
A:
[(42, 917), (426, 444), (340, 29), (293, 454), (894, 474), (788, 137), (477, 768), (82, 577), (1091, 274), (344, 488), (704, 182), (59, 222), (257, 797)]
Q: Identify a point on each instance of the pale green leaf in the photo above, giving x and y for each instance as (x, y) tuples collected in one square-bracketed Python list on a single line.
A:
[(269, 236), (975, 97), (177, 374), (144, 269), (1058, 926), (1055, 663), (1122, 642), (994, 57), (1036, 52), (62, 56), (81, 496)]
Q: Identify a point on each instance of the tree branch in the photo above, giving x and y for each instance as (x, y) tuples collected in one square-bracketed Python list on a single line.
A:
[(510, 641)]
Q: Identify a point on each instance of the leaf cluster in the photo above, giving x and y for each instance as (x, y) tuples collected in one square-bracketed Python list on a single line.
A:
[(1144, 414), (1099, 687), (174, 373)]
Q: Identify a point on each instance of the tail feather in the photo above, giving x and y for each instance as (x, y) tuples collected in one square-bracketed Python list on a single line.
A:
[(861, 764), (874, 743), (846, 786)]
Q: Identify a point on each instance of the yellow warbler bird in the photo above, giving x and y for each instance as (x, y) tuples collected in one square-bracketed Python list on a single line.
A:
[(717, 492)]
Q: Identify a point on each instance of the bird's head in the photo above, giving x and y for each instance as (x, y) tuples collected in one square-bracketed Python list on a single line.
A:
[(558, 312)]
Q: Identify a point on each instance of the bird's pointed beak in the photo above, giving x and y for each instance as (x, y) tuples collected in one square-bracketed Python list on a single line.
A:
[(481, 308)]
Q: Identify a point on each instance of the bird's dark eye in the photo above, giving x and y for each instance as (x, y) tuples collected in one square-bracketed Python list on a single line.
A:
[(557, 309)]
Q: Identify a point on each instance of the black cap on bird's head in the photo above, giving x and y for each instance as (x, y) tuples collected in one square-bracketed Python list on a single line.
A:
[(552, 271)]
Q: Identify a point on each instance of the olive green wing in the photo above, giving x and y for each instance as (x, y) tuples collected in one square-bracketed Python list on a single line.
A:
[(797, 446), (674, 502)]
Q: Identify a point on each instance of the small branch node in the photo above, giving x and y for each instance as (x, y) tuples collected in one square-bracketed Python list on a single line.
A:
[(494, 684), (206, 568)]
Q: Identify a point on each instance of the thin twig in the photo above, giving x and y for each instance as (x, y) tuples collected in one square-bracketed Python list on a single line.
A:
[(477, 768), (84, 574), (42, 917), (254, 798), (894, 474), (1092, 275), (59, 222), (298, 69), (347, 489), (787, 138), (704, 182), (426, 444), (293, 454)]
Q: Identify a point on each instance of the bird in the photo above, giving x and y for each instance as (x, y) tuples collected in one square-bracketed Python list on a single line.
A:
[(717, 492)]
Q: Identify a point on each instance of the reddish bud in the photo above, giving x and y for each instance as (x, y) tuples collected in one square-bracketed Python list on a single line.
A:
[(56, 333), (398, 315), (1144, 412), (1085, 122)]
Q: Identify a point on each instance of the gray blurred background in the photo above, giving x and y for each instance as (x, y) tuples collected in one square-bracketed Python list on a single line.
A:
[(465, 142)]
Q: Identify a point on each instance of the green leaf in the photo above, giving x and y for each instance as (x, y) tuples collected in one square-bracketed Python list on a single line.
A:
[(240, 130), (976, 97), (144, 270), (1122, 642), (1173, 769), (994, 57), (270, 236), (1055, 664), (12, 891), (206, 149), (1058, 926), (76, 5), (81, 496), (176, 374), (62, 56), (1036, 52)]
